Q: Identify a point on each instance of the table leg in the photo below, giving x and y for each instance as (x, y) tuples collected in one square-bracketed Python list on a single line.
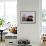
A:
[(1, 36)]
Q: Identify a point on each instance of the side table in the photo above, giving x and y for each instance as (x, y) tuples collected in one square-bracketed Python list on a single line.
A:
[(1, 34)]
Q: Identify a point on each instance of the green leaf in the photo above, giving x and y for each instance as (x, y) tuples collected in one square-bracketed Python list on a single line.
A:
[(1, 21)]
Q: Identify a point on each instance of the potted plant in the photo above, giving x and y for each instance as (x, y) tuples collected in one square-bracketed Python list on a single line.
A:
[(1, 22)]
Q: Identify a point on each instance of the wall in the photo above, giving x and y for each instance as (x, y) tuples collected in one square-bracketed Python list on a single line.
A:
[(30, 31)]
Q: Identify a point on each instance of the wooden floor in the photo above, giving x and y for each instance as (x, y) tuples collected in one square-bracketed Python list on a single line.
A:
[(43, 44), (2, 43)]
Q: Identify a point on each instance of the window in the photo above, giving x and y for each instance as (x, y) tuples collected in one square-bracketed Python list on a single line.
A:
[(8, 10), (44, 10), (44, 16), (11, 11), (1, 9)]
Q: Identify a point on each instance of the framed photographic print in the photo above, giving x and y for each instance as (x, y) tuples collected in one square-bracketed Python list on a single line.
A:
[(27, 17)]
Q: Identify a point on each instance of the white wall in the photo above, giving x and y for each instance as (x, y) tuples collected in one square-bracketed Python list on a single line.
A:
[(30, 31)]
